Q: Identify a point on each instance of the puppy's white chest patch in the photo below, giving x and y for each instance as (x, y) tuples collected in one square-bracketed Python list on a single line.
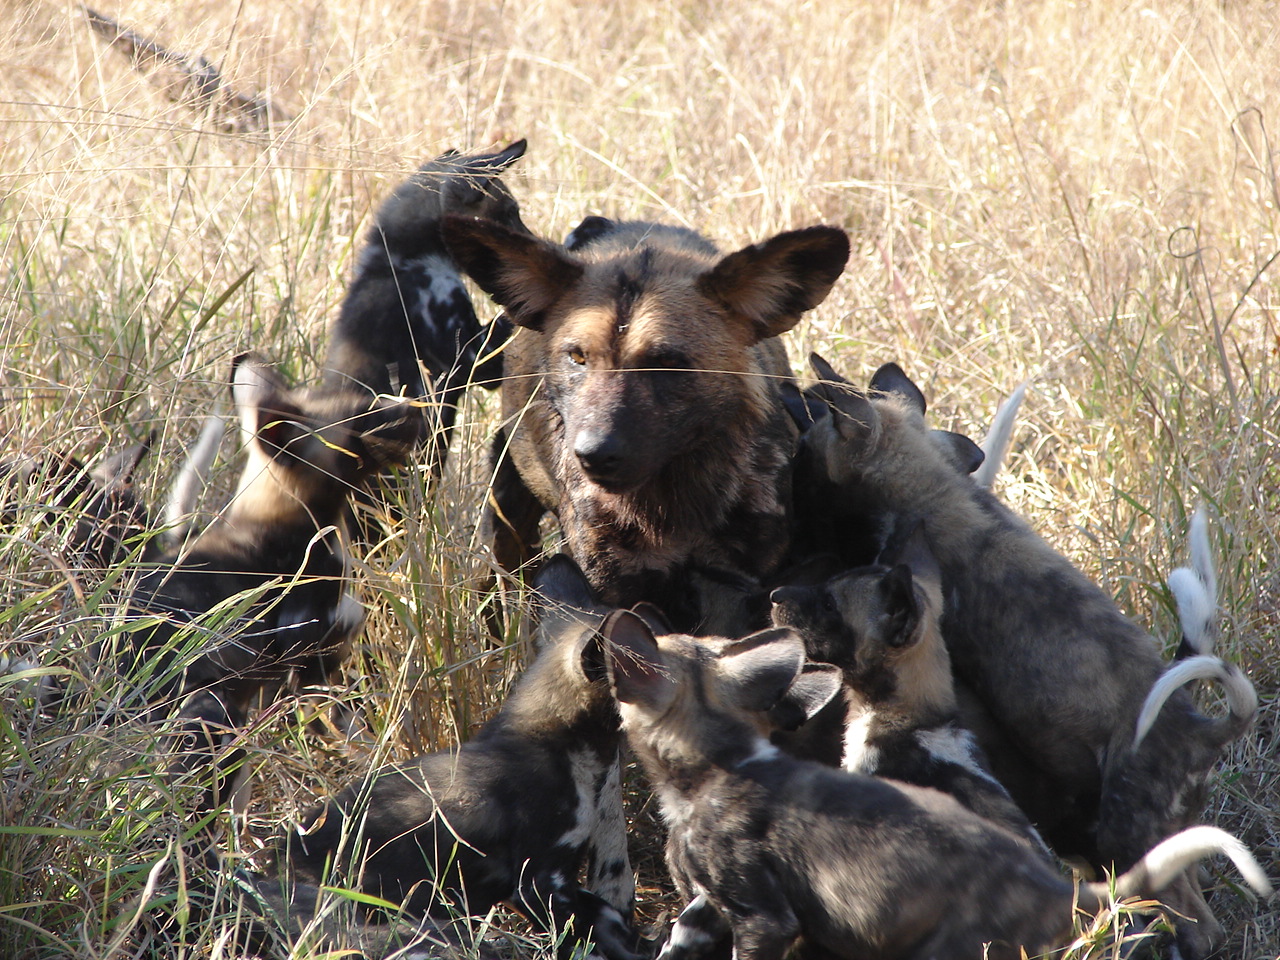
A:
[(954, 745), (859, 755)]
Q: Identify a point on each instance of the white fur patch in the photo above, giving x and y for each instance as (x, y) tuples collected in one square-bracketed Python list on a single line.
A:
[(608, 846), (858, 756), (585, 770), (763, 750), (954, 745)]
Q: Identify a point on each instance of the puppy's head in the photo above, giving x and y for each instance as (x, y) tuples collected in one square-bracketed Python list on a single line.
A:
[(871, 622), (875, 446), (316, 445), (684, 700)]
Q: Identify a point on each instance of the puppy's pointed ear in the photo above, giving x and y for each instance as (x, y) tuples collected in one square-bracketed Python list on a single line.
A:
[(902, 611), (653, 615), (909, 546), (758, 669), (854, 417), (521, 272), (507, 155), (890, 379), (771, 284), (804, 408), (266, 414), (118, 469), (963, 452), (565, 608), (815, 687), (588, 231), (636, 670)]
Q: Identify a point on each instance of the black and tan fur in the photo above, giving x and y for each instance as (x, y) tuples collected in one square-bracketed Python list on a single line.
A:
[(99, 507), (514, 814), (407, 323), (881, 625), (1060, 670), (261, 595), (642, 405), (775, 848)]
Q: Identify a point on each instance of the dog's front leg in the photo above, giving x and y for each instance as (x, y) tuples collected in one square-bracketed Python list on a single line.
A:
[(764, 936)]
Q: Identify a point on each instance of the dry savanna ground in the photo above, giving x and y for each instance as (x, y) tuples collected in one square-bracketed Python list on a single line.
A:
[(1082, 195)]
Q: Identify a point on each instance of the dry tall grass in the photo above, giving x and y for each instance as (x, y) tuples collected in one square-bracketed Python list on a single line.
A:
[(1079, 194)]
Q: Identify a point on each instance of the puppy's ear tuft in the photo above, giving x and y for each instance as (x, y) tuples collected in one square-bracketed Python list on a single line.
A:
[(817, 685), (758, 669), (891, 379), (902, 611)]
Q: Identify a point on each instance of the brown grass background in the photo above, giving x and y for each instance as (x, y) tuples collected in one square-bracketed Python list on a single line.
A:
[(1083, 195)]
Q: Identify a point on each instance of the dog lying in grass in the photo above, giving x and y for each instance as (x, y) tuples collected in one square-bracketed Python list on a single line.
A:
[(881, 626), (261, 596), (772, 848), (1061, 672), (513, 814)]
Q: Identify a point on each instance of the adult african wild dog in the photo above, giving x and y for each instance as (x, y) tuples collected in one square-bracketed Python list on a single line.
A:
[(772, 848), (511, 815), (261, 595), (642, 404), (1059, 669), (407, 323), (882, 626)]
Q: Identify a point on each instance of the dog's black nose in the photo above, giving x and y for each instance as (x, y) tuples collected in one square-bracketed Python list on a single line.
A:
[(599, 453)]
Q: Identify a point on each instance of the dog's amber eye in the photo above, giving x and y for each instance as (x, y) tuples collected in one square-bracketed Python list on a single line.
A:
[(577, 356)]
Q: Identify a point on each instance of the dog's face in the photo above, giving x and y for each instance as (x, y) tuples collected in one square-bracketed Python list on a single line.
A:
[(683, 700), (857, 621), (316, 445), (646, 337)]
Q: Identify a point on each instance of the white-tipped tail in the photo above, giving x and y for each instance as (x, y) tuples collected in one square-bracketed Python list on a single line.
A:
[(1168, 859), (996, 444), (1242, 699), (1195, 589), (192, 478)]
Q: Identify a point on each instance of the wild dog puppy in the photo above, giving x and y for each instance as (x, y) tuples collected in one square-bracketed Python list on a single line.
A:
[(642, 405), (510, 816), (273, 563), (407, 323), (881, 626), (828, 521), (1059, 669), (773, 848)]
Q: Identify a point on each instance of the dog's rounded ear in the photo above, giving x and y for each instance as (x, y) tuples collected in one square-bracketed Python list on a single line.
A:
[(521, 272), (771, 284), (636, 670), (266, 413), (653, 615), (890, 379), (758, 669), (901, 608), (563, 603), (588, 231), (815, 687), (960, 450)]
